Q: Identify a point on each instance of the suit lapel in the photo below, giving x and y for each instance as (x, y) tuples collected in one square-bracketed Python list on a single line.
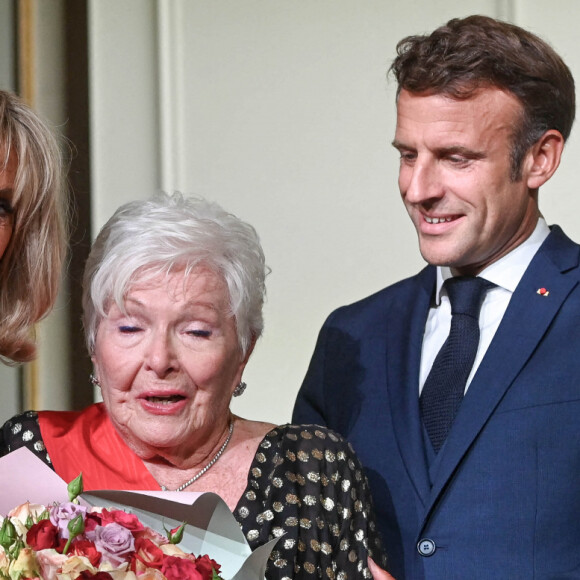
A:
[(523, 326), (403, 363)]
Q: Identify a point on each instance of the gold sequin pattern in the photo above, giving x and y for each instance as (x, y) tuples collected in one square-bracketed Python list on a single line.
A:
[(309, 567), (303, 489), (317, 454), (266, 516), (303, 456)]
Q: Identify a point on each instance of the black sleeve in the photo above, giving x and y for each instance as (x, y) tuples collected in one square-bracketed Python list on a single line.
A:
[(308, 488), (23, 431)]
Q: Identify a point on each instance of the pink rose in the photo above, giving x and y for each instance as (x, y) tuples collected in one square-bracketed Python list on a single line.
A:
[(114, 542), (150, 574), (26, 510), (4, 562), (175, 568), (49, 561), (62, 514)]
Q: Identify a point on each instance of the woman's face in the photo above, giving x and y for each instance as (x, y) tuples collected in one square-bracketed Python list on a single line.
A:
[(168, 367), (7, 179)]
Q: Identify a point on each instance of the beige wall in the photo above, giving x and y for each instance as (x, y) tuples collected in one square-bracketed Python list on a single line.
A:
[(557, 22), (281, 112)]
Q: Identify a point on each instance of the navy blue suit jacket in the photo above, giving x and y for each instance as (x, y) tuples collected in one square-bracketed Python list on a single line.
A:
[(502, 499)]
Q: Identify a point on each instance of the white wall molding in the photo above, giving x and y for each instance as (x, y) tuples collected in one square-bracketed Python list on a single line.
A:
[(171, 97)]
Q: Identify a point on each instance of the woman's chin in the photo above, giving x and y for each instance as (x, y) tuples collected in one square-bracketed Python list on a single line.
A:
[(153, 439)]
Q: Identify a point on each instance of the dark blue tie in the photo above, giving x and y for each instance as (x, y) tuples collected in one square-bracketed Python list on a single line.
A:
[(443, 390)]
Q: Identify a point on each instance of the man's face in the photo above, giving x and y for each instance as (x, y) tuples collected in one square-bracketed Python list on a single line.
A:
[(454, 177)]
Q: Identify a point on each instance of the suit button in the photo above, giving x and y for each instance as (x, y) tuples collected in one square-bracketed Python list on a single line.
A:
[(426, 547)]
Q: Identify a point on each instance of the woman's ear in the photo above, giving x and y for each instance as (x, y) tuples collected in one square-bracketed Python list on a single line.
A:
[(250, 350), (544, 158)]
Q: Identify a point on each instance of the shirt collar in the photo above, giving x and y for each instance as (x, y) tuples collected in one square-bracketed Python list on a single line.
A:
[(507, 271)]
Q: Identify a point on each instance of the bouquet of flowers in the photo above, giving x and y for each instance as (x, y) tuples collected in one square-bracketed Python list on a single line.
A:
[(66, 541)]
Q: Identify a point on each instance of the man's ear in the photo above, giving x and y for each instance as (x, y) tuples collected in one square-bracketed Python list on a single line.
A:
[(544, 158)]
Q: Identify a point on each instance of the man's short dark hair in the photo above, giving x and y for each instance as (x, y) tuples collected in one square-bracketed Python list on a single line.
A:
[(477, 52)]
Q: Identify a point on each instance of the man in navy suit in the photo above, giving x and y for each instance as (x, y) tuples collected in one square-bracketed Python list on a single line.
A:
[(483, 111)]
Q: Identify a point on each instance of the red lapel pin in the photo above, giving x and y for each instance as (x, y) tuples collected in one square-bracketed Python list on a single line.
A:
[(543, 292)]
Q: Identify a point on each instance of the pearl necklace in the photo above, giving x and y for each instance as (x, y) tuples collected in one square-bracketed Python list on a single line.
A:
[(200, 473)]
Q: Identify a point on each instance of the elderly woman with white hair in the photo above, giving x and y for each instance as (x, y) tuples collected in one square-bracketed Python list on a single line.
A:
[(173, 294)]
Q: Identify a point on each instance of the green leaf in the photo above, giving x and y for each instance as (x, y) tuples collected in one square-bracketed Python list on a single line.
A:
[(75, 487), (76, 526), (8, 534)]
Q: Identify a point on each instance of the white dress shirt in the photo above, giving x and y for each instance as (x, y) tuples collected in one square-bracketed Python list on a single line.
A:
[(506, 273)]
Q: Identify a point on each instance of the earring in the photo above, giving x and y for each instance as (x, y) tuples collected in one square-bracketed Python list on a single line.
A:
[(240, 388), (94, 381)]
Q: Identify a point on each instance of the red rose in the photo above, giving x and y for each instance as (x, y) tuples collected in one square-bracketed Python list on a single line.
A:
[(175, 568), (61, 545), (87, 549), (92, 520), (128, 521), (152, 535), (148, 553), (206, 566), (42, 535)]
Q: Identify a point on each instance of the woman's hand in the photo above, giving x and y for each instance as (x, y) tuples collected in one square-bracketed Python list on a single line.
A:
[(378, 573)]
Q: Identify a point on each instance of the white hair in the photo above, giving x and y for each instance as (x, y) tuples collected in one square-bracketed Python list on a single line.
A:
[(171, 232)]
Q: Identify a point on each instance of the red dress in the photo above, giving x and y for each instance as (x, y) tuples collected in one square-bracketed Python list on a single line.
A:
[(86, 441)]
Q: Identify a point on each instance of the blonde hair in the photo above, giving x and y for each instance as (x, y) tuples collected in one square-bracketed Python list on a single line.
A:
[(30, 269)]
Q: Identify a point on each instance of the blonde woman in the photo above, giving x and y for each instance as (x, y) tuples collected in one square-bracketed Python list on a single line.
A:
[(32, 225)]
